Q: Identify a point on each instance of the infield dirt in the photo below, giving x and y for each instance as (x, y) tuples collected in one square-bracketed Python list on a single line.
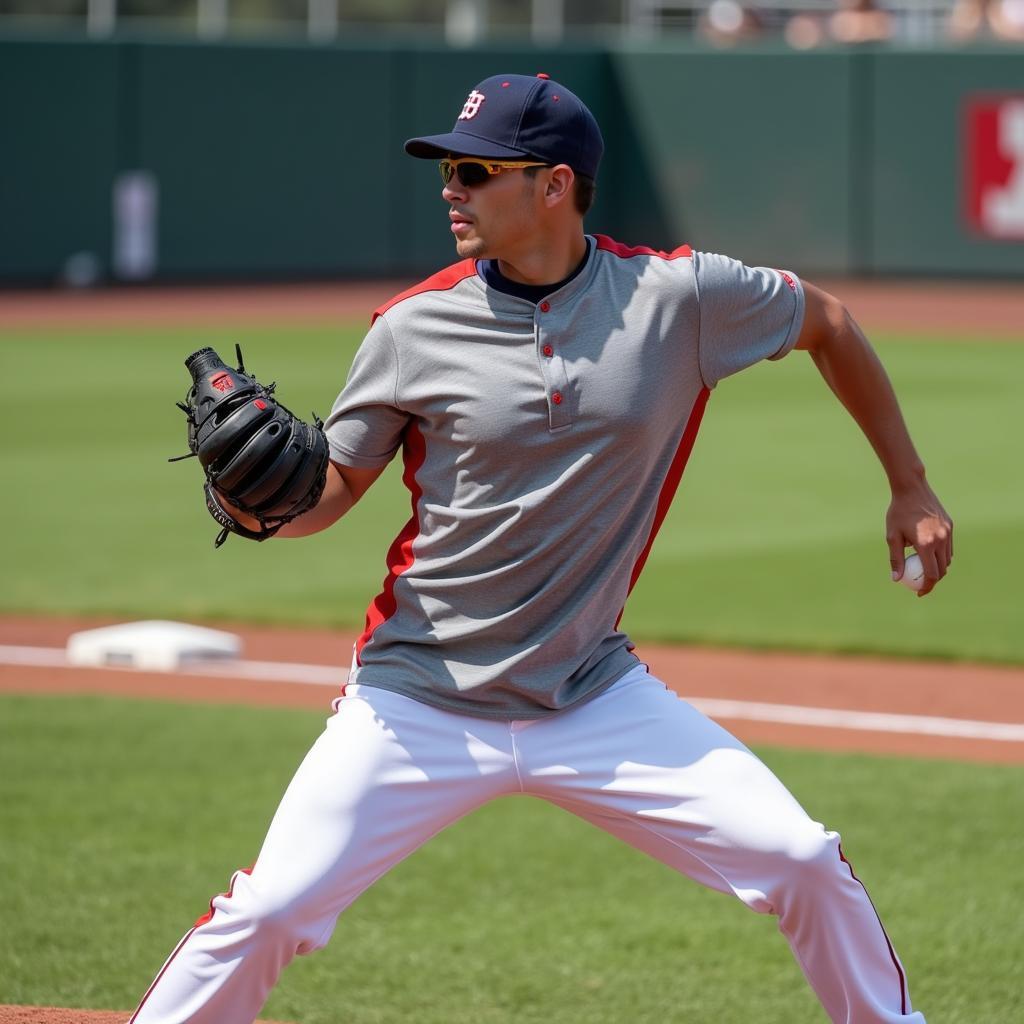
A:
[(933, 309), (973, 692), (61, 1015)]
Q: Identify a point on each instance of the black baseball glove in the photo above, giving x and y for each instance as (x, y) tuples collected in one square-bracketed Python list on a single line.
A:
[(254, 451)]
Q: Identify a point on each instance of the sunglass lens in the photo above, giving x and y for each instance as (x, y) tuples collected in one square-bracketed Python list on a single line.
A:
[(472, 174)]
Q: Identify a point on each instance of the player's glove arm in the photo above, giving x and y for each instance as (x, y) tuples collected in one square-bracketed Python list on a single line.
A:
[(344, 486), (264, 467)]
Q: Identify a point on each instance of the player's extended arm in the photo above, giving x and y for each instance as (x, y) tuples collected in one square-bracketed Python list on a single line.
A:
[(344, 487), (855, 374)]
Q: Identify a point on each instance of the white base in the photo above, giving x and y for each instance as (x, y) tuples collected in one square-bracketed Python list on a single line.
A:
[(153, 645)]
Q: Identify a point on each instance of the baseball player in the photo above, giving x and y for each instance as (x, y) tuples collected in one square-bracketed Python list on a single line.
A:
[(545, 393)]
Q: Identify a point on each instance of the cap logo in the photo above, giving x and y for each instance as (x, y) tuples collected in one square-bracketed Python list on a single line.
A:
[(472, 106)]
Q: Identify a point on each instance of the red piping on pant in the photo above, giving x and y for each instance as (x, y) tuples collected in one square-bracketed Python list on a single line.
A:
[(177, 949), (892, 952)]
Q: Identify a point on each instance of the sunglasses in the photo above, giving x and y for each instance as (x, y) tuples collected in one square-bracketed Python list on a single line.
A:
[(472, 171)]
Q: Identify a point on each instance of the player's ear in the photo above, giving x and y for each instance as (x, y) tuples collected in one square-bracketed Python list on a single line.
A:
[(559, 185)]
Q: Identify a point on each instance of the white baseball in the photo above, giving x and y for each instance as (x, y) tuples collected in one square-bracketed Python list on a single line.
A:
[(913, 573)]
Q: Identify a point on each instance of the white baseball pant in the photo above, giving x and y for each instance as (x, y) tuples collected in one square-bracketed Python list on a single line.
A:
[(389, 772)]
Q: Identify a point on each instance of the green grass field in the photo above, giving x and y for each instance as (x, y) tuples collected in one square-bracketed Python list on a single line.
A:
[(121, 819), (775, 539)]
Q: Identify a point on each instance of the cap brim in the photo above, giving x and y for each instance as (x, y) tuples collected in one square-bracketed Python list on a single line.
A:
[(434, 147)]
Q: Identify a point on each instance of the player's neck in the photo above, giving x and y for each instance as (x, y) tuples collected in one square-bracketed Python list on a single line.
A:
[(547, 263)]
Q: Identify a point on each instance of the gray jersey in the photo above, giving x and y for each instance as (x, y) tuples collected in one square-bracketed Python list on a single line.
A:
[(542, 446)]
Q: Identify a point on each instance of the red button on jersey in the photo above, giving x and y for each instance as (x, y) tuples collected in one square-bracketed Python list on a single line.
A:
[(548, 351), (557, 398), (545, 306)]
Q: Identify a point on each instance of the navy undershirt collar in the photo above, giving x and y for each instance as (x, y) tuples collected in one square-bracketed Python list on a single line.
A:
[(494, 278)]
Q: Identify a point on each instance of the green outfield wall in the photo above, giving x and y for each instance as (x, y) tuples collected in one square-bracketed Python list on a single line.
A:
[(921, 185), (155, 160), (753, 152), (61, 124)]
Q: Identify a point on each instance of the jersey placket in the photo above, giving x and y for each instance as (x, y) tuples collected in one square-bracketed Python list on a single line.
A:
[(552, 367)]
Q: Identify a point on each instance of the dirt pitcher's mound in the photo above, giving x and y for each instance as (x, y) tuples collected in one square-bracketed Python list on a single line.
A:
[(61, 1015)]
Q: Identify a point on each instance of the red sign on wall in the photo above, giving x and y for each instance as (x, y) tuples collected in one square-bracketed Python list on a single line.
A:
[(994, 155)]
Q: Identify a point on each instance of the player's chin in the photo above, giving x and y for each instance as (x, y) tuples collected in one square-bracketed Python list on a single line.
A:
[(473, 248)]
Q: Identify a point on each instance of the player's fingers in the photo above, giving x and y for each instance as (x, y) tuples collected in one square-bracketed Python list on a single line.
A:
[(940, 554), (927, 586), (930, 565), (942, 547), (897, 555)]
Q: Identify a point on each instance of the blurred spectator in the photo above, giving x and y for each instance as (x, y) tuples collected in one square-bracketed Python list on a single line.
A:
[(804, 31), (728, 22), (993, 19), (860, 21), (856, 21)]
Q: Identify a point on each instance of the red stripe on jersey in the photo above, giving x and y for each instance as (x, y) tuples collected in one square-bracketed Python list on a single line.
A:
[(904, 1001), (607, 244), (439, 282), (400, 556), (671, 484)]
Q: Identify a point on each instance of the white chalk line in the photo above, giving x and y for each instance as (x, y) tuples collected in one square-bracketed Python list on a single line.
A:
[(233, 668), (862, 721), (734, 710)]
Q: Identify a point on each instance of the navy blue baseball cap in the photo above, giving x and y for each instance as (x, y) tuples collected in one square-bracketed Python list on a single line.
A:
[(516, 117)]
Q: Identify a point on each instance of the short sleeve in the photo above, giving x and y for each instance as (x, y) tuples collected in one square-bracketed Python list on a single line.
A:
[(746, 314), (365, 426)]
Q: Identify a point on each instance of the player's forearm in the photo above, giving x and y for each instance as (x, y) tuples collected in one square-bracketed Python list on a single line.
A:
[(336, 500), (853, 371)]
